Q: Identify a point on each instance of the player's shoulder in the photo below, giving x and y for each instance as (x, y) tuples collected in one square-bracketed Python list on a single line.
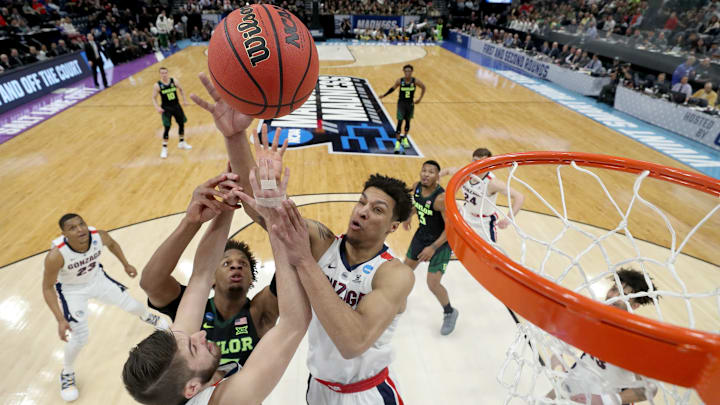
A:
[(396, 273), (54, 257)]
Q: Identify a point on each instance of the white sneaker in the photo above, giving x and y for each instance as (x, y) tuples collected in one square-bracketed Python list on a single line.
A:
[(163, 153), (184, 145), (68, 388), (157, 321)]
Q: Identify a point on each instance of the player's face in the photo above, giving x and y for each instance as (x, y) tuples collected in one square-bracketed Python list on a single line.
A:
[(620, 304), (408, 72), (76, 230), (164, 74), (429, 175), (201, 355), (372, 217), (234, 273)]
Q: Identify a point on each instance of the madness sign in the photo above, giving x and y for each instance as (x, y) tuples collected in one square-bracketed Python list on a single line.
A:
[(343, 112)]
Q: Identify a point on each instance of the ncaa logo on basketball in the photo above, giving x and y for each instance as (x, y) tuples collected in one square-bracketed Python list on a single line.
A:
[(254, 44), (290, 28), (346, 115)]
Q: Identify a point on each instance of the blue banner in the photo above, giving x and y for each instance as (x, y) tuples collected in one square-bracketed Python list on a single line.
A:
[(19, 86), (376, 22)]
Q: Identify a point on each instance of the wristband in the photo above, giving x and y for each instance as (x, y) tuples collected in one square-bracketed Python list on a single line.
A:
[(268, 184)]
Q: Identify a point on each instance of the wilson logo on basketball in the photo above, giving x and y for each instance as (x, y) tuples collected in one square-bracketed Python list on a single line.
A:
[(254, 44), (291, 34)]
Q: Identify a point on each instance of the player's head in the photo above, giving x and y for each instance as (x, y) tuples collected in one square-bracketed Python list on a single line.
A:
[(236, 273), (164, 73), (633, 282), (170, 367), (90, 37), (384, 203), (430, 173), (408, 70), (481, 153), (74, 228)]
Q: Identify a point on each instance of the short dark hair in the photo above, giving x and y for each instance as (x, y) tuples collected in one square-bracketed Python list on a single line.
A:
[(154, 372), (432, 163), (636, 281), (162, 68), (66, 218), (482, 153), (243, 247), (408, 66), (397, 190)]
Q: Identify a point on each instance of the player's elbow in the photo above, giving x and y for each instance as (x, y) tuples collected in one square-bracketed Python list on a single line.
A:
[(355, 347), (146, 283)]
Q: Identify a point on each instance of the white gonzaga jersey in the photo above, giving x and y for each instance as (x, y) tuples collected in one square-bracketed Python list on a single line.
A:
[(202, 397), (79, 267), (351, 285), (592, 375), (475, 192)]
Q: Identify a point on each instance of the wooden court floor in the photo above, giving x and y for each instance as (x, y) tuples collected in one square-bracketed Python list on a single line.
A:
[(101, 160)]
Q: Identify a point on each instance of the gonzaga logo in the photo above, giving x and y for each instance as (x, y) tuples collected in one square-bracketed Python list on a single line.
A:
[(254, 44), (345, 113)]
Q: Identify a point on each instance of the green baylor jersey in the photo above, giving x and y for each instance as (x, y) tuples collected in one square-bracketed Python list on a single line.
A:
[(431, 221), (407, 90), (168, 94)]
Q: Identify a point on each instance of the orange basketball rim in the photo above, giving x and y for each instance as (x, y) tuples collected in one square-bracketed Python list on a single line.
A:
[(655, 349)]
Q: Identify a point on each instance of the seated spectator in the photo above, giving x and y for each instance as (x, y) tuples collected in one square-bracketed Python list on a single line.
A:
[(196, 37), (566, 51), (32, 56), (545, 48), (660, 41), (116, 52), (661, 86), (574, 59), (5, 62), (608, 24), (62, 49), (683, 87), (699, 48), (15, 60), (43, 53), (607, 93), (685, 69), (591, 32), (679, 46), (706, 93), (527, 45), (595, 66), (703, 72), (554, 51)]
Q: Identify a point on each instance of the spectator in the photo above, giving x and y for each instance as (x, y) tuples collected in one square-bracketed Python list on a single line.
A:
[(527, 45), (62, 49), (661, 85), (554, 51), (574, 59), (609, 24), (164, 25), (545, 48), (32, 56), (595, 66), (15, 60), (660, 41), (564, 54), (706, 93), (683, 87), (5, 62), (607, 93), (116, 51), (591, 32), (43, 53), (196, 37), (672, 22), (703, 73), (684, 69)]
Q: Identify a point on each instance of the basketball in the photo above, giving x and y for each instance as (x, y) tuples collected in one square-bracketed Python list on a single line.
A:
[(263, 61)]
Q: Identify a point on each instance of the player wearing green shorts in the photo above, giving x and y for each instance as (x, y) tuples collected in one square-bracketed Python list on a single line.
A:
[(168, 88), (406, 105), (430, 242)]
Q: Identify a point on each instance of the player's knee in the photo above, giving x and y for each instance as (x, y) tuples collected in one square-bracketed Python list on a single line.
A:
[(433, 281)]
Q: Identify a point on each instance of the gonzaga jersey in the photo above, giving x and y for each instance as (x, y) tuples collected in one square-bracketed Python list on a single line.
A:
[(79, 267), (351, 285), (475, 191), (592, 375)]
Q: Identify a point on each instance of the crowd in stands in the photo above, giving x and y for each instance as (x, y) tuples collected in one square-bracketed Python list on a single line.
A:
[(403, 7)]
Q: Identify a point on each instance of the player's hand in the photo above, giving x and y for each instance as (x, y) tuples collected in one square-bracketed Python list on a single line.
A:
[(503, 223), (63, 329), (407, 225), (426, 254), (291, 229), (418, 101), (270, 152), (160, 110), (131, 271), (271, 195), (227, 120), (204, 206)]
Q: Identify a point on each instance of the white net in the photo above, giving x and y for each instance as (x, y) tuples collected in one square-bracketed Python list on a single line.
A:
[(594, 261)]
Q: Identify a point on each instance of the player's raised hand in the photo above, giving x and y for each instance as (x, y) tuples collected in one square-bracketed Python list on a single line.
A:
[(264, 150), (204, 206), (227, 120), (63, 329), (291, 229), (268, 194)]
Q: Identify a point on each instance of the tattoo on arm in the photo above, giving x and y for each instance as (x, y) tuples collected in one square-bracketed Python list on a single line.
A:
[(323, 231)]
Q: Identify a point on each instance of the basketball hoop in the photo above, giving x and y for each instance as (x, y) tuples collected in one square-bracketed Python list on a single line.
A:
[(673, 354)]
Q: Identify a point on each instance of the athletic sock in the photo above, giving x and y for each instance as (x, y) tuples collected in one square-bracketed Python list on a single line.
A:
[(448, 308)]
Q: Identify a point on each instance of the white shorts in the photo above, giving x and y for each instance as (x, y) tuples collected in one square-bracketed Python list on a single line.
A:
[(485, 226), (74, 297), (385, 393)]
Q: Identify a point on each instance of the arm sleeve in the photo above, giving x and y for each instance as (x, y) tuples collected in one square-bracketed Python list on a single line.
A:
[(171, 308)]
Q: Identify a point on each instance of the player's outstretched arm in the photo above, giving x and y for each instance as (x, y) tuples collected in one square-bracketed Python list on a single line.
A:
[(268, 361), (156, 279), (209, 253), (516, 199), (115, 248), (391, 89)]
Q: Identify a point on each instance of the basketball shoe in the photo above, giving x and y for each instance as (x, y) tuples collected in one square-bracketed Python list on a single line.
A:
[(68, 388)]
